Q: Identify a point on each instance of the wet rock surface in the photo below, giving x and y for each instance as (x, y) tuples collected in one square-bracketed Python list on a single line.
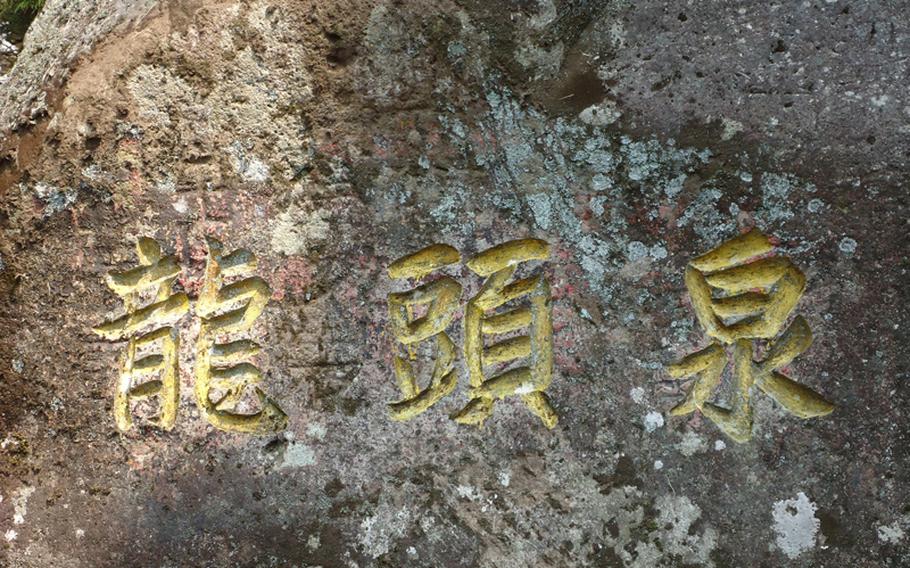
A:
[(332, 138)]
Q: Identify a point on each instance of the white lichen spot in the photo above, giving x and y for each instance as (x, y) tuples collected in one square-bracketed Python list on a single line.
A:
[(456, 50), (166, 185), (638, 395), (380, 530), (658, 465), (879, 101), (847, 245), (316, 430), (677, 516), (298, 454), (601, 114), (505, 477), (20, 502), (675, 186), (312, 542), (597, 205), (653, 420), (180, 206), (80, 533), (617, 34), (248, 167), (636, 250), (795, 525), (658, 252), (775, 190), (731, 128), (542, 208), (93, 172), (719, 445), (468, 492), (447, 210), (10, 535), (18, 366), (600, 182), (705, 217), (296, 230), (891, 534), (691, 444), (666, 540), (815, 205), (56, 199)]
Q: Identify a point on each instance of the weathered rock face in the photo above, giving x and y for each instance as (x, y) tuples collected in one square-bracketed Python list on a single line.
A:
[(330, 139)]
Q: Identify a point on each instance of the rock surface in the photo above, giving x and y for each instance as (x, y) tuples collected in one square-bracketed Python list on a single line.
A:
[(330, 139)]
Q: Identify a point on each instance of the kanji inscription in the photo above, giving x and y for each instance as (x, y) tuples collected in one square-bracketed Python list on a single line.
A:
[(742, 293), (147, 325), (223, 369), (515, 313), (441, 298)]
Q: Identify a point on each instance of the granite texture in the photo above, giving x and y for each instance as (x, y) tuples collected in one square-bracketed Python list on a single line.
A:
[(331, 138)]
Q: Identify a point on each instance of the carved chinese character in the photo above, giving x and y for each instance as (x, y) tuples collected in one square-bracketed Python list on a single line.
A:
[(440, 299), (147, 326), (498, 265), (741, 293), (222, 369)]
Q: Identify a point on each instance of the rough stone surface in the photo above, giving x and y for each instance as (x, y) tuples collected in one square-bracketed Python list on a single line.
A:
[(65, 32), (333, 137)]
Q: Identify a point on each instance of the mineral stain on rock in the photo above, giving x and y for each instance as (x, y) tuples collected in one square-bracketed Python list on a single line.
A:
[(331, 138)]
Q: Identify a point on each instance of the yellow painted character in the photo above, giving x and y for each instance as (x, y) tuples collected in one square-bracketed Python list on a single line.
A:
[(223, 367), (147, 326), (440, 299), (740, 293), (498, 264)]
